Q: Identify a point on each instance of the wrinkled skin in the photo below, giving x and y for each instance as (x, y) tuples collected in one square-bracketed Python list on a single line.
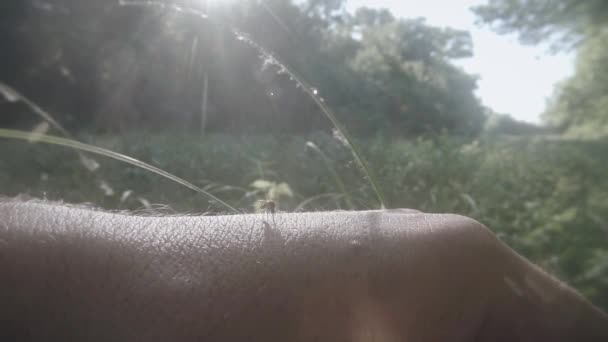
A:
[(70, 274)]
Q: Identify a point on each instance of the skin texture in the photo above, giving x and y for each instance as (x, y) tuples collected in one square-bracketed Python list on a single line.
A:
[(70, 274)]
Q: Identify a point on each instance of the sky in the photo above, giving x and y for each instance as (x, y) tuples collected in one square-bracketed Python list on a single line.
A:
[(513, 79)]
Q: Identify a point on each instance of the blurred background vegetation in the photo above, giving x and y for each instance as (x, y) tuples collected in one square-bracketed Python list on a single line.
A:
[(206, 91)]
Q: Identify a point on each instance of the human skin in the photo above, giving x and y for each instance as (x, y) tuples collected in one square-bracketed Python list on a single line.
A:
[(76, 274)]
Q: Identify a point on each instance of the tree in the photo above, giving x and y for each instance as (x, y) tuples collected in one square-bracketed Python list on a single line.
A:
[(565, 23), (105, 67), (578, 106), (504, 124), (407, 68)]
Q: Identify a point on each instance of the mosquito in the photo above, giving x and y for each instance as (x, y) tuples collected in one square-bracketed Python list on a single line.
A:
[(270, 207)]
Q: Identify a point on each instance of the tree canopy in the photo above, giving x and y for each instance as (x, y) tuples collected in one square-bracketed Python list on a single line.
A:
[(102, 66), (579, 104), (562, 22)]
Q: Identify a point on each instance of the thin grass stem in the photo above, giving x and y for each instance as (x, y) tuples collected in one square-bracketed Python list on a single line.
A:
[(271, 59), (53, 140)]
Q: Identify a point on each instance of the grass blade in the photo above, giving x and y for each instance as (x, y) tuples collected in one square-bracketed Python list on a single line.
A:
[(271, 59), (53, 140), (333, 172)]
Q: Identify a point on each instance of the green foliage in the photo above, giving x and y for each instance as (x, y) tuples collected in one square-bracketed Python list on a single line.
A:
[(36, 137), (547, 198), (580, 105), (563, 22), (100, 66), (407, 70), (503, 124)]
